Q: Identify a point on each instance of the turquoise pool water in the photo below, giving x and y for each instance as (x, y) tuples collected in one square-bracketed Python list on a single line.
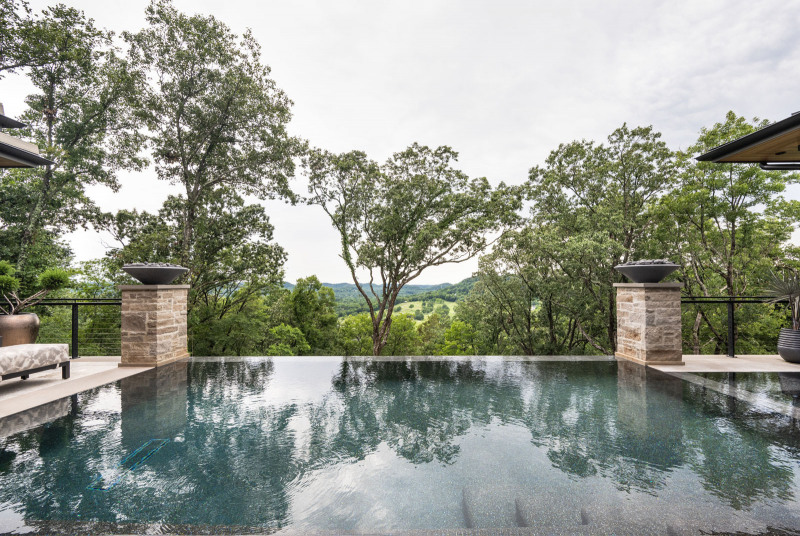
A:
[(323, 444)]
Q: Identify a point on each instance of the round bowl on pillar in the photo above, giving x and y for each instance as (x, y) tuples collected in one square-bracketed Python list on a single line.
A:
[(647, 271), (154, 273)]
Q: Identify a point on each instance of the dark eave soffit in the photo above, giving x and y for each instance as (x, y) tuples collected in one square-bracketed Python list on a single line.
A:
[(11, 156), (7, 122), (775, 147)]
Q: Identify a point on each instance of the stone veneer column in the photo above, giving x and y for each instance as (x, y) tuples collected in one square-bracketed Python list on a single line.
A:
[(153, 324), (649, 323)]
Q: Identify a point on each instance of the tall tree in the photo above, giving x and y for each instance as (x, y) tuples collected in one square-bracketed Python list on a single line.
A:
[(396, 221), (215, 118), (596, 203), (313, 312), (81, 120), (235, 263), (730, 225), (12, 42)]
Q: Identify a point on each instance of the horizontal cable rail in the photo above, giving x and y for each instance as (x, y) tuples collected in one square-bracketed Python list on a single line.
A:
[(730, 301), (108, 341)]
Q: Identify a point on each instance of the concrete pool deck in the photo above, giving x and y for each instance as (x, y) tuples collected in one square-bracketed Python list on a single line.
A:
[(85, 373), (723, 363)]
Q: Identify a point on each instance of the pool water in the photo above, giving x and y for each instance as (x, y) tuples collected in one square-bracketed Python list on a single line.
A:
[(255, 445)]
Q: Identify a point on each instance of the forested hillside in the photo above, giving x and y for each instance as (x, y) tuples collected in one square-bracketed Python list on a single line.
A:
[(348, 291), (349, 301)]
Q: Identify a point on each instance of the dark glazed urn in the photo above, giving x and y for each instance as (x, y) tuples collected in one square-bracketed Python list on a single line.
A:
[(156, 273), (789, 345), (22, 328), (647, 271)]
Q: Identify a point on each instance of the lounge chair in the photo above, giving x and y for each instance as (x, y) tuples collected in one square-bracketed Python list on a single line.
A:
[(22, 360)]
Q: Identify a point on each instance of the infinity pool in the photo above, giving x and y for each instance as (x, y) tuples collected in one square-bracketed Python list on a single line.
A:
[(258, 445)]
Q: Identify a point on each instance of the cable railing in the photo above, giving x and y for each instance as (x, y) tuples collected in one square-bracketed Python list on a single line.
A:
[(730, 302), (90, 330)]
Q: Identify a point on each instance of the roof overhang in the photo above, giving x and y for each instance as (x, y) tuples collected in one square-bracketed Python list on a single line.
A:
[(775, 147), (7, 122), (16, 153)]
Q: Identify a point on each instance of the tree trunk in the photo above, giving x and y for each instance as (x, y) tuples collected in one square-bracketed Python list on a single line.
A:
[(696, 334)]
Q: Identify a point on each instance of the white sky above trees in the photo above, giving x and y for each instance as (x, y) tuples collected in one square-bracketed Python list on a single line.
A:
[(502, 82)]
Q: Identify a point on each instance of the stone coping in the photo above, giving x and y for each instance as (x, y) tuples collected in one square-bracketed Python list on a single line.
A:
[(413, 358), (153, 287), (648, 285)]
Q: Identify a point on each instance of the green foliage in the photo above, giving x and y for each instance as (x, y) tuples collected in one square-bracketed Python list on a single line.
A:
[(313, 311), (54, 279), (8, 284), (79, 116), (216, 121), (98, 326), (216, 125), (403, 339), (349, 301), (432, 333), (459, 339), (355, 336), (729, 227), (11, 303), (6, 268), (234, 262), (287, 340), (395, 221), (593, 208)]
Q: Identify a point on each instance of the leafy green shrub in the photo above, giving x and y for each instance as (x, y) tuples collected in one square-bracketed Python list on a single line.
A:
[(6, 268), (53, 279), (8, 284), (48, 281)]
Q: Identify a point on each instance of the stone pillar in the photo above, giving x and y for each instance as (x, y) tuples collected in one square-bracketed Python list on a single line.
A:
[(153, 324), (649, 323)]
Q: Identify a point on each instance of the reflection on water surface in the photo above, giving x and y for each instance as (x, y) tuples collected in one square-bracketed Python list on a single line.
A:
[(332, 444)]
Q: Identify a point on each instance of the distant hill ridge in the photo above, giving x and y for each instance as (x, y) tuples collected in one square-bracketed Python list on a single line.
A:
[(349, 300), (346, 291)]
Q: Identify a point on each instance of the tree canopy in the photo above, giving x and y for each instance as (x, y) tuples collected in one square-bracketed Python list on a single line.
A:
[(397, 220)]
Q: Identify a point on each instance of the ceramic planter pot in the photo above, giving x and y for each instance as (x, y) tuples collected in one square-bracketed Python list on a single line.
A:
[(789, 345), (22, 328), (155, 274), (646, 273)]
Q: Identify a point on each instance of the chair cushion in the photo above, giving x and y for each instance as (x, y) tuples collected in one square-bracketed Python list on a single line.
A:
[(30, 356)]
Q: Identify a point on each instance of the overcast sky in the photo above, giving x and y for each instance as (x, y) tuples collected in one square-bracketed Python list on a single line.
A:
[(502, 82)]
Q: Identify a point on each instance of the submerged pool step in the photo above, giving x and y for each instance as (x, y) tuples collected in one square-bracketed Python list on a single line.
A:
[(128, 464), (490, 507), (552, 514)]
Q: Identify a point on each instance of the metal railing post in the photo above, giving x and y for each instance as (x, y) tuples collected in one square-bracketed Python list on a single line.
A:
[(731, 341), (74, 331)]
